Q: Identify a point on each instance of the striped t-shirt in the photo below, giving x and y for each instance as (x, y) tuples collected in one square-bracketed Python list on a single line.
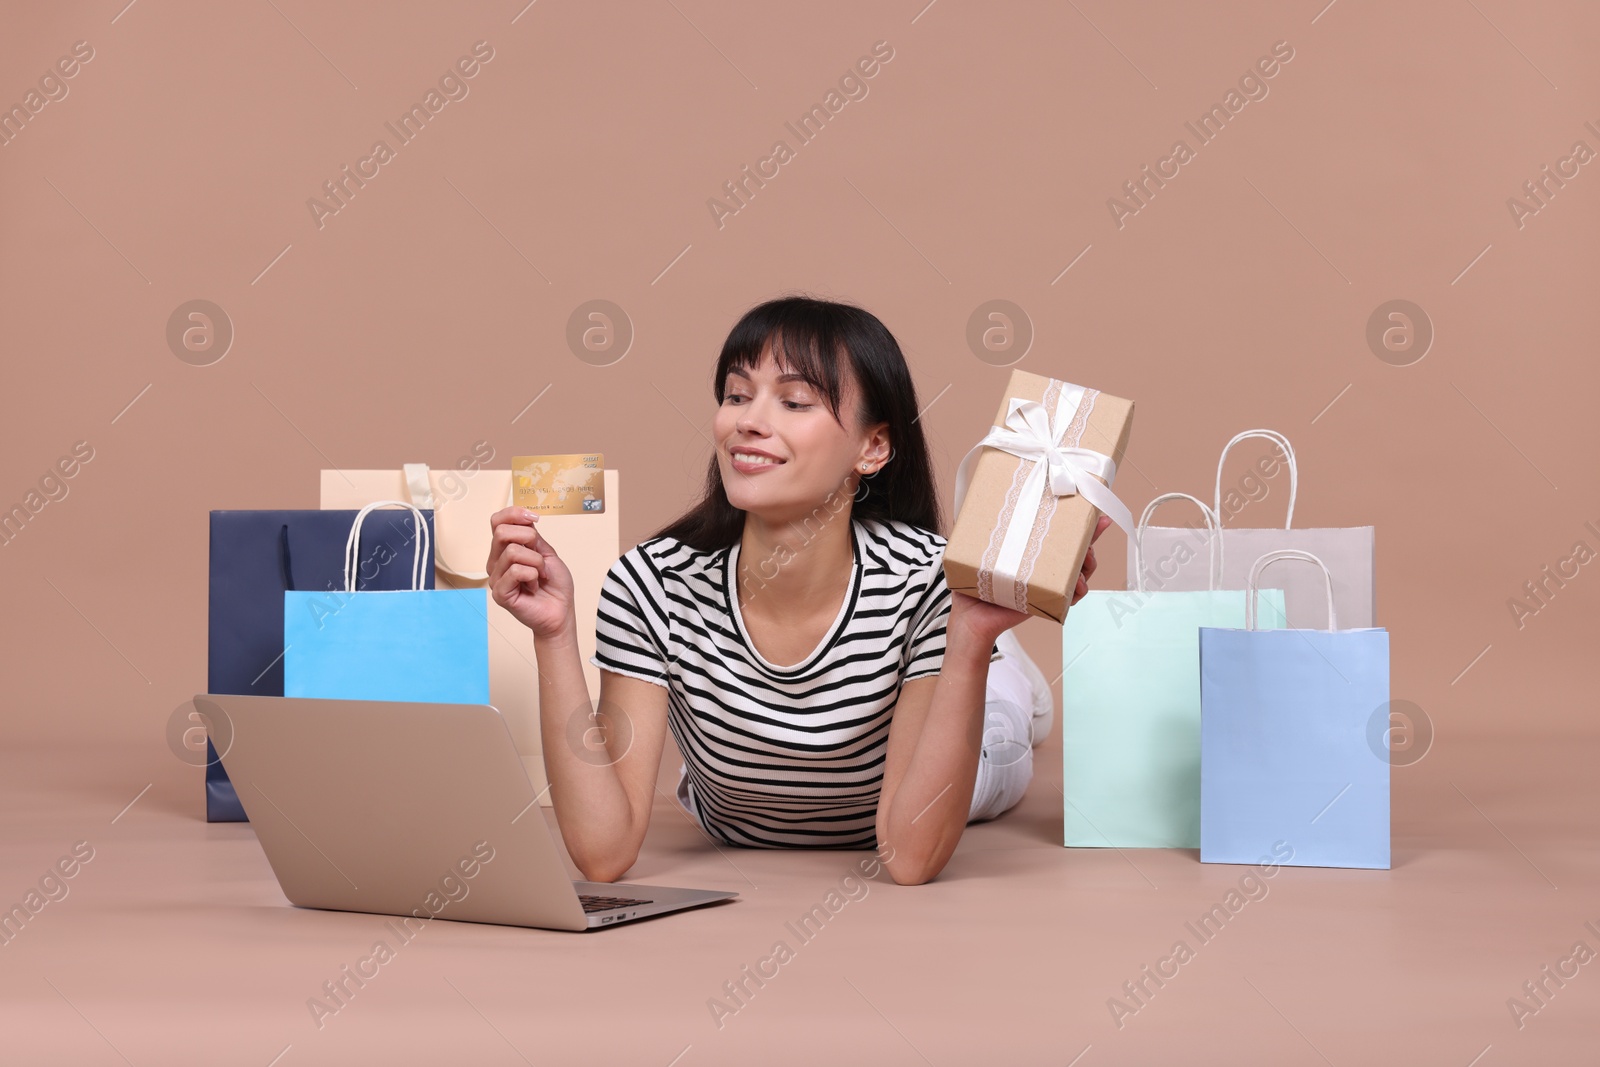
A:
[(779, 757)]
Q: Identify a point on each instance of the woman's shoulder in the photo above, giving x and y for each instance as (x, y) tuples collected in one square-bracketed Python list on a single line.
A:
[(666, 559), (903, 546)]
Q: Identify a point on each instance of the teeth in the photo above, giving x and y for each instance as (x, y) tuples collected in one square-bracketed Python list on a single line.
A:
[(748, 458)]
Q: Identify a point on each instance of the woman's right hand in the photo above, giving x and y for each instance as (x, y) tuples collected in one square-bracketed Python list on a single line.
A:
[(526, 577)]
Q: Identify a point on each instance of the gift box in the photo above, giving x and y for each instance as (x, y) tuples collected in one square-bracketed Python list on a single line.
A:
[(1028, 495)]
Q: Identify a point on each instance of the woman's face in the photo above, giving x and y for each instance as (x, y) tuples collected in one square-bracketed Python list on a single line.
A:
[(765, 410)]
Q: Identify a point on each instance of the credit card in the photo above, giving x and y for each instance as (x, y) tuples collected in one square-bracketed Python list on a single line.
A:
[(560, 485)]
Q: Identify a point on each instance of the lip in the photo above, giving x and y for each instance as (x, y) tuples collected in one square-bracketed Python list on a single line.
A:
[(752, 468)]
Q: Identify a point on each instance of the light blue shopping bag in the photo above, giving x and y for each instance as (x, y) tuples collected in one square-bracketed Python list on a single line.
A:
[(1130, 705), (428, 645), (1287, 772)]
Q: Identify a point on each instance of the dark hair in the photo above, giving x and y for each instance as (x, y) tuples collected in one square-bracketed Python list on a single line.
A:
[(825, 341)]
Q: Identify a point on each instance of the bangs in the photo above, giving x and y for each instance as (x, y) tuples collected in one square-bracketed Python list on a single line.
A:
[(797, 348)]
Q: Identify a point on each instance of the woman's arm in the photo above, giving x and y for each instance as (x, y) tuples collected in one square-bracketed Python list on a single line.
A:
[(936, 737), (602, 761), (932, 763)]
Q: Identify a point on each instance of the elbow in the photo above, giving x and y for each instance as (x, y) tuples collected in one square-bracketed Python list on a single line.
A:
[(603, 870), (606, 868), (912, 872), (607, 857)]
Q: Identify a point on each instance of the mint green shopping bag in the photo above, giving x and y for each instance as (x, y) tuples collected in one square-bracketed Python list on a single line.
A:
[(1131, 697)]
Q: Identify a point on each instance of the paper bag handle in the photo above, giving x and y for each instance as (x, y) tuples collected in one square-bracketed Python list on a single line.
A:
[(1213, 547), (352, 545), (1294, 471), (420, 489), (1255, 575)]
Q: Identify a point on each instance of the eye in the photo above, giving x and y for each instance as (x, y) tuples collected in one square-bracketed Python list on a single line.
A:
[(798, 406)]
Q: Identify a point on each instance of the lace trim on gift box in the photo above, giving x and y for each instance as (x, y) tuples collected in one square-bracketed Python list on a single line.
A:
[(997, 533)]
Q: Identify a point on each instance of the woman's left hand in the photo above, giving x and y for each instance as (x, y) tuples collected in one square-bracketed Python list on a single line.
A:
[(1089, 562), (989, 621)]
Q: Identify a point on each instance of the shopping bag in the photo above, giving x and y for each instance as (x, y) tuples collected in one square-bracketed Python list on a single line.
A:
[(1287, 773), (462, 502), (1130, 714), (255, 557), (1348, 552), (426, 645)]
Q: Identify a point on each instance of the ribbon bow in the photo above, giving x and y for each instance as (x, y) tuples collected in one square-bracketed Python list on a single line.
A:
[(1026, 435)]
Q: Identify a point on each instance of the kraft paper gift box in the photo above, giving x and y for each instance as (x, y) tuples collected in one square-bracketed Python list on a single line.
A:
[(1028, 495)]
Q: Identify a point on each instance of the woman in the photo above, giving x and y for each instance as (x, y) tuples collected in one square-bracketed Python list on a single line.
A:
[(793, 629)]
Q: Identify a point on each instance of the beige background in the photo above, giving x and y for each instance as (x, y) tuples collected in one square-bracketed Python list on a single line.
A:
[(977, 167), (430, 311)]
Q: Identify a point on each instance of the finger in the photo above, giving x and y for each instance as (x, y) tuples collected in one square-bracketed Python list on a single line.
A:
[(506, 584), (522, 554), (519, 516), (501, 587), (1089, 564), (524, 574), (1100, 528), (512, 534), (505, 556)]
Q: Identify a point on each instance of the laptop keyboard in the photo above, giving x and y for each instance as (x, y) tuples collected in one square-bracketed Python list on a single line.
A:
[(592, 903)]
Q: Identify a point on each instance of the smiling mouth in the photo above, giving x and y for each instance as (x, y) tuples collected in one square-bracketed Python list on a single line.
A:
[(750, 459)]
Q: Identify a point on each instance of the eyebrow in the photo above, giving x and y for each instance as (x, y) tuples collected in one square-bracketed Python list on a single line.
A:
[(740, 371)]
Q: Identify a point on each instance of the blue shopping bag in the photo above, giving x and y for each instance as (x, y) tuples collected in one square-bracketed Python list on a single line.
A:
[(1130, 705), (428, 645), (1285, 761), (254, 557)]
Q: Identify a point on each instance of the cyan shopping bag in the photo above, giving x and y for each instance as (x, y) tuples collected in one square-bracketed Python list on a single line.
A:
[(1130, 716), (255, 557), (1285, 761), (429, 645)]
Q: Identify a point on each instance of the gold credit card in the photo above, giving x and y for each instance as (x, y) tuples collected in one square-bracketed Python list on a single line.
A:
[(560, 485)]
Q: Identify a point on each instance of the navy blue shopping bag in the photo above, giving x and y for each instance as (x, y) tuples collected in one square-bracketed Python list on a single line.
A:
[(257, 556)]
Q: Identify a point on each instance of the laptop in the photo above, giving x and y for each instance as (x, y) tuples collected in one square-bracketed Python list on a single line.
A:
[(412, 809)]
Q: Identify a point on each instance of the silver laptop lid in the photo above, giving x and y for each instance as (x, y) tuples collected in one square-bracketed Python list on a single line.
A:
[(410, 809)]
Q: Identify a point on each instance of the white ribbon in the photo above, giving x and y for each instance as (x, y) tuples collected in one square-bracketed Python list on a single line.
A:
[(1059, 470)]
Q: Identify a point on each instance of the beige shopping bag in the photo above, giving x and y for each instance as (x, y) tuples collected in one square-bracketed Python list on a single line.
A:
[(462, 503)]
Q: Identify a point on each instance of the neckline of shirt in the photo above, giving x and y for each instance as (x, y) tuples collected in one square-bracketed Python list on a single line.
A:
[(731, 588)]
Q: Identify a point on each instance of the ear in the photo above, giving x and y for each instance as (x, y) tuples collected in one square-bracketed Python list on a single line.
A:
[(879, 449)]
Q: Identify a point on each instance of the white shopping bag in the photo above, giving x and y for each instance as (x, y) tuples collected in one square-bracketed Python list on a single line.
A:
[(1347, 552)]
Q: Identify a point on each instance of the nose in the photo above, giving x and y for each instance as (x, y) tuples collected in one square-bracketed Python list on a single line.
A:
[(748, 423)]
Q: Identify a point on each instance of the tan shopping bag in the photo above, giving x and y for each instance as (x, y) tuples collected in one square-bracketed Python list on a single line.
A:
[(462, 503)]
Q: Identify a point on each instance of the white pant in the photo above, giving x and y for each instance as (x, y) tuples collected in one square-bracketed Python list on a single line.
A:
[(1005, 766)]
